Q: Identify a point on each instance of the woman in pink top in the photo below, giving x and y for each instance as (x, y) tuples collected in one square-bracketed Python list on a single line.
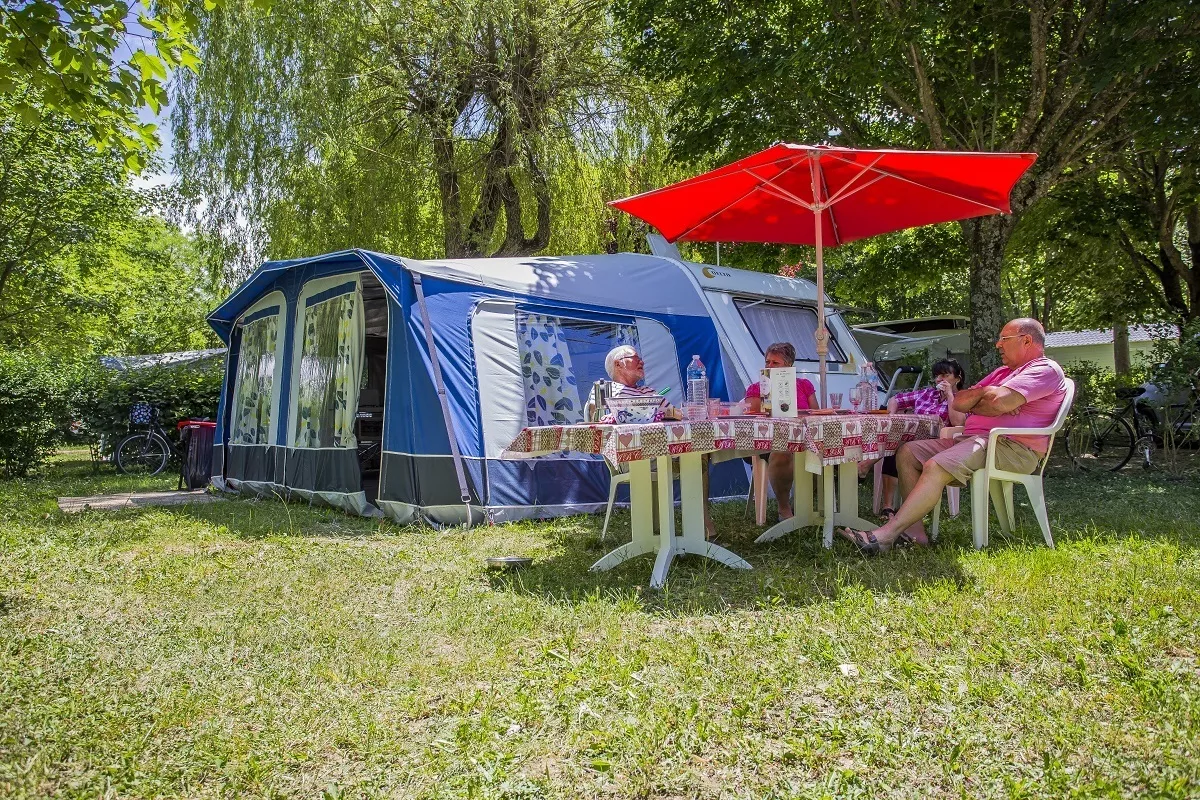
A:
[(779, 465), (782, 354)]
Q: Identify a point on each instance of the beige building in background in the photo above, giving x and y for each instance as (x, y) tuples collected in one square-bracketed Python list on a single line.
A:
[(1067, 347)]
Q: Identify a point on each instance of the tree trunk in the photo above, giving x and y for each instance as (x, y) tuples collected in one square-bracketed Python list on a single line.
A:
[(1121, 350), (986, 238)]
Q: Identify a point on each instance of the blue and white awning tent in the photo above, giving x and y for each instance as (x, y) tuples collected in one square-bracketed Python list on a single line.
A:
[(335, 364)]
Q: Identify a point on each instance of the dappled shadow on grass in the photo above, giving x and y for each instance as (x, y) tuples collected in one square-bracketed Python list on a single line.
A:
[(793, 571), (1109, 506), (797, 570)]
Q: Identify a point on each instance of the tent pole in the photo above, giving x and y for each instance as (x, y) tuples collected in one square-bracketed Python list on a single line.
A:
[(822, 333), (718, 254)]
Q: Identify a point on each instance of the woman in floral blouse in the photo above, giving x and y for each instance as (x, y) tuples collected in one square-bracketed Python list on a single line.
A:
[(933, 400)]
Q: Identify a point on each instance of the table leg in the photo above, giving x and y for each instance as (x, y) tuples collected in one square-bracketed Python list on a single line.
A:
[(830, 503), (803, 513), (667, 546), (641, 511), (692, 542), (846, 513)]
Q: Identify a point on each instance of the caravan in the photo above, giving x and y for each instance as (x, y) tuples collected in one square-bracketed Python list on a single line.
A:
[(378, 383)]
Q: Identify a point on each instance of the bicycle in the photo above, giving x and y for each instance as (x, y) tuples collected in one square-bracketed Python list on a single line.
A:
[(1107, 440), (144, 452)]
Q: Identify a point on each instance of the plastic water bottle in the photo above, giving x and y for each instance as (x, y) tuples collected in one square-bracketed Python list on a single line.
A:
[(873, 377), (697, 389), (865, 397)]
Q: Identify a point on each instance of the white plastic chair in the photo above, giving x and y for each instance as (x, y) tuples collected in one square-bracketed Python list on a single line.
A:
[(617, 474), (999, 483)]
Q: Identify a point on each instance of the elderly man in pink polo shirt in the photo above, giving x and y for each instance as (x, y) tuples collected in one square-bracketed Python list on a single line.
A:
[(1026, 392)]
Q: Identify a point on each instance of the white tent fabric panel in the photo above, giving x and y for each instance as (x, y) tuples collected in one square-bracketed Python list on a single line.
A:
[(661, 358), (498, 366)]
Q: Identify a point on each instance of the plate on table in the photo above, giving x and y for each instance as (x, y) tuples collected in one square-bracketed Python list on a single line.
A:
[(879, 411), (824, 412)]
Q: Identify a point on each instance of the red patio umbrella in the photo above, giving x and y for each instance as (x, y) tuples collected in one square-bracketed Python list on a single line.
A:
[(817, 195)]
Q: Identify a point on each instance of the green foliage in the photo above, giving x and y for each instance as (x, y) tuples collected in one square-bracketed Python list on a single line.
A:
[(1094, 384), (1051, 79), (915, 273), (35, 408), (146, 290), (46, 402), (1175, 363), (57, 192), (1065, 267), (86, 265), (102, 397), (64, 58), (429, 128)]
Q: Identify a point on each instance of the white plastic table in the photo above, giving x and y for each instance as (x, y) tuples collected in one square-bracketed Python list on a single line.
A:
[(826, 445)]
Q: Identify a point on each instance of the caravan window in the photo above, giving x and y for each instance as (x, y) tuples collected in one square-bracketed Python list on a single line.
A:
[(330, 342), (771, 322), (256, 381), (560, 359)]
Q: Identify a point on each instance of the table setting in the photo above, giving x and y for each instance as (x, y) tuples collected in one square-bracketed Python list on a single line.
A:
[(826, 443)]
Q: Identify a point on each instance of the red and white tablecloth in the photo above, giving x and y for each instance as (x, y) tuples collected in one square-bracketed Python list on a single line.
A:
[(836, 438)]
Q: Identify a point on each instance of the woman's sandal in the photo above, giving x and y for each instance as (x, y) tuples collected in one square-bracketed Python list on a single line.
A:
[(887, 513), (866, 542)]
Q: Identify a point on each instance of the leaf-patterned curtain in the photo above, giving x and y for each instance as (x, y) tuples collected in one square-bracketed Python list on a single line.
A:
[(254, 384), (331, 365), (551, 391)]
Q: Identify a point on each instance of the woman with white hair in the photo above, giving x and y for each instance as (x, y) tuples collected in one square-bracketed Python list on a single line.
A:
[(627, 370)]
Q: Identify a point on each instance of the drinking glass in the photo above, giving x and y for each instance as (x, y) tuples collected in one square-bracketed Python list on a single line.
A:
[(835, 399), (855, 399)]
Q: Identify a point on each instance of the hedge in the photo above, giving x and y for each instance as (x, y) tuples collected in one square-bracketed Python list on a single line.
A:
[(45, 403)]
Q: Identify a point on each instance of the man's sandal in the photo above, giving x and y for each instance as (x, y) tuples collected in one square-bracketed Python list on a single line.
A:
[(866, 542), (905, 541)]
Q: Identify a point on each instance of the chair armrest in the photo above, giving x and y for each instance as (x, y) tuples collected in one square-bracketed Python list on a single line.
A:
[(995, 433), (949, 432)]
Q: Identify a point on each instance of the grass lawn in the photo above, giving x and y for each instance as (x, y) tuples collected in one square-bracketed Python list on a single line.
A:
[(256, 649)]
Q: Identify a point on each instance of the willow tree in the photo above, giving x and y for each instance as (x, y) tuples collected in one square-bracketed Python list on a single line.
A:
[(436, 127), (1048, 77)]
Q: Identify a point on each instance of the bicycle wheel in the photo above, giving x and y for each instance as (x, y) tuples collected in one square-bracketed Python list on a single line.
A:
[(1098, 440), (142, 454)]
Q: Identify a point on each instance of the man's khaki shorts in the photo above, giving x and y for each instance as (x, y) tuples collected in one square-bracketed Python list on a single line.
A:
[(964, 455)]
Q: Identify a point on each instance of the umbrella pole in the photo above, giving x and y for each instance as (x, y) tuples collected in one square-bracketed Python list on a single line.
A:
[(822, 334)]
